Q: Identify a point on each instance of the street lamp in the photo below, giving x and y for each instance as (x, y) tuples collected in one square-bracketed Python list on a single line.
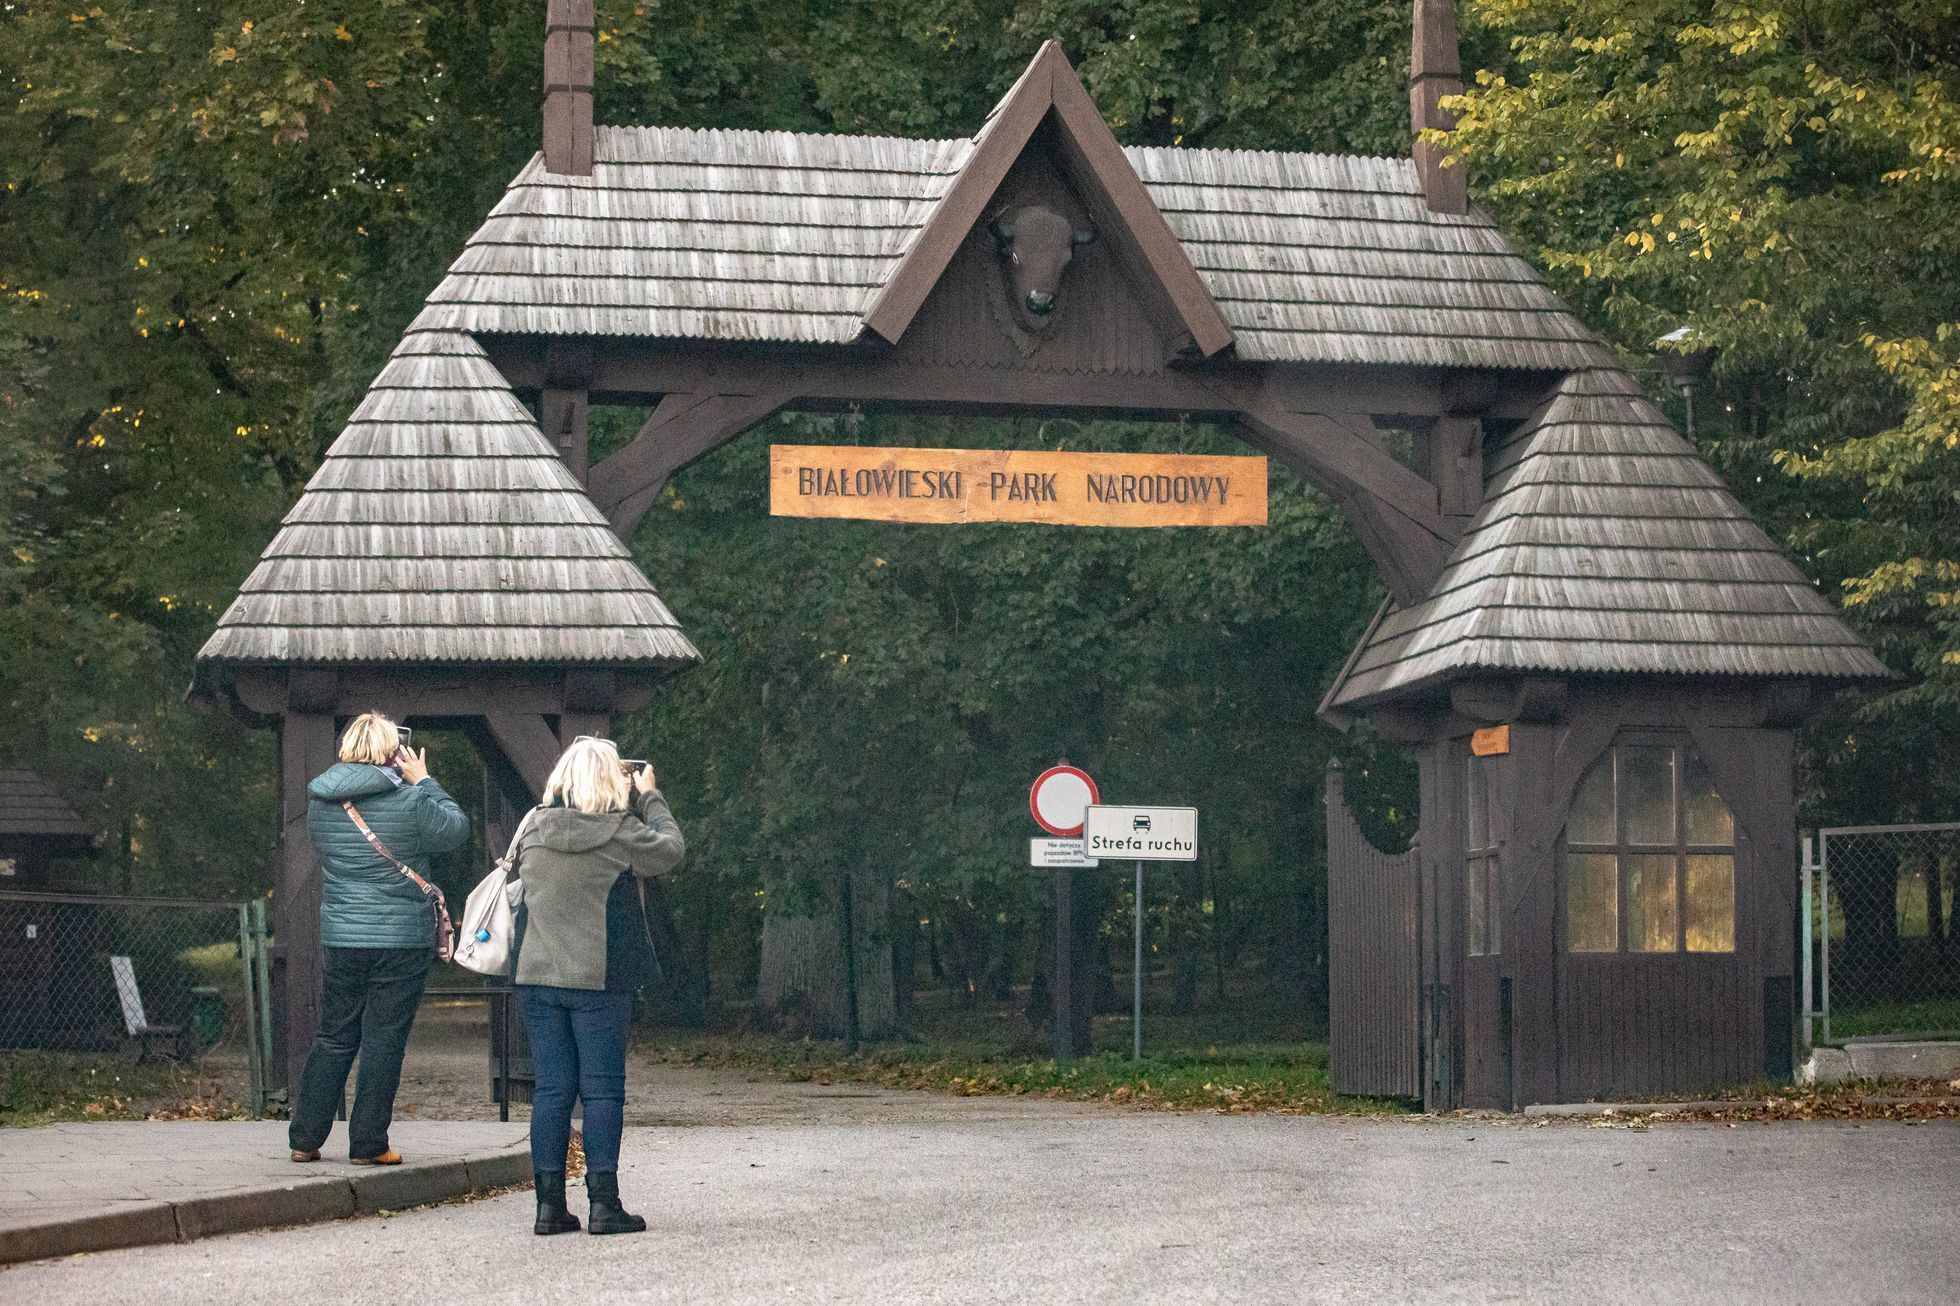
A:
[(1688, 364)]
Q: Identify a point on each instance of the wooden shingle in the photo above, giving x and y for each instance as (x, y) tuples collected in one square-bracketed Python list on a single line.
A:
[(1606, 545), (784, 236), (442, 527)]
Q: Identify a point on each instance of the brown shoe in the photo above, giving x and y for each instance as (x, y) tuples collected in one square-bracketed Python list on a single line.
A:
[(312, 1155), (389, 1157)]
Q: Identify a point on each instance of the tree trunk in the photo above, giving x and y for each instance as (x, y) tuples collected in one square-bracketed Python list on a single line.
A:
[(804, 986)]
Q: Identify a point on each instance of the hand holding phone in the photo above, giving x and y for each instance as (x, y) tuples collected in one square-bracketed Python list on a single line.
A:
[(414, 766), (642, 773)]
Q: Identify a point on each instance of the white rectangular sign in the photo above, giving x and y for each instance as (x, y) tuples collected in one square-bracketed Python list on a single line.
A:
[(1146, 834), (1058, 852)]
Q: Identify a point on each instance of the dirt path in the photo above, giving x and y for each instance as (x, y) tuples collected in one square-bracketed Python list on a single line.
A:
[(446, 1077)]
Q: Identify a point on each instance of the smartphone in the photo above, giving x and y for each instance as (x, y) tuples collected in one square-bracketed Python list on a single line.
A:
[(407, 735), (633, 765)]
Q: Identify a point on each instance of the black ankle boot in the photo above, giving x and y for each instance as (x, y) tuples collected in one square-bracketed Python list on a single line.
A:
[(606, 1215), (552, 1215)]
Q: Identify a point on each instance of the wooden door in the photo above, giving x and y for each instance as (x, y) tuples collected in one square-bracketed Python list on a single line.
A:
[(1374, 1040)]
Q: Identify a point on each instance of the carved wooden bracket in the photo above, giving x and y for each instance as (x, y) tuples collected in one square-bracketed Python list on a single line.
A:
[(681, 428)]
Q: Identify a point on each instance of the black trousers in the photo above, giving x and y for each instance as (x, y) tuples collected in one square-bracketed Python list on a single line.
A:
[(368, 1004)]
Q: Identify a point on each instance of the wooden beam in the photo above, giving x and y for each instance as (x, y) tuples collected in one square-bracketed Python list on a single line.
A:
[(1392, 509), (527, 743), (565, 401), (682, 428), (826, 376), (306, 748)]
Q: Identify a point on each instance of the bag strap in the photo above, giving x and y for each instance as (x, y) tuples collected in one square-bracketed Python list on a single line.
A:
[(509, 859), (354, 815)]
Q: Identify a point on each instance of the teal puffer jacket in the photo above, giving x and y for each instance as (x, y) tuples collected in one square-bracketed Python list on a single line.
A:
[(364, 901)]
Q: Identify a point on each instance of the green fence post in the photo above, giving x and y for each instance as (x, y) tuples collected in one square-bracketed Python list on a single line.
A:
[(261, 960), (256, 1066)]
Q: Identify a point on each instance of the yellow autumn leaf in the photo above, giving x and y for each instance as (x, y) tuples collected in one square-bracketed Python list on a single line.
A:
[(341, 33)]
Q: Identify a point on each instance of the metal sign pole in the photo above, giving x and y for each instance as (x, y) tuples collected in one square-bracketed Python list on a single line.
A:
[(1136, 979)]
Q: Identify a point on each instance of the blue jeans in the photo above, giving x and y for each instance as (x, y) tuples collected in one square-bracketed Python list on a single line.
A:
[(578, 1050)]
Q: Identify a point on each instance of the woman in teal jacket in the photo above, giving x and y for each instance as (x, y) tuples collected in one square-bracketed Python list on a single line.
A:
[(377, 927)]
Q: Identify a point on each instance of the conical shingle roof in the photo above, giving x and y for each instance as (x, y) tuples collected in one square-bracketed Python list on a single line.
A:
[(1605, 544), (443, 528)]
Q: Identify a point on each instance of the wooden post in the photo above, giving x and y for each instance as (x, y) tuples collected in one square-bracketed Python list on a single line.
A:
[(306, 747), (568, 78), (565, 401), (1436, 70)]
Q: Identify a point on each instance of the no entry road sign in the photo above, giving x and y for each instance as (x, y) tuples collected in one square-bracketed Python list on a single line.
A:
[(1144, 834), (1058, 853), (1059, 797)]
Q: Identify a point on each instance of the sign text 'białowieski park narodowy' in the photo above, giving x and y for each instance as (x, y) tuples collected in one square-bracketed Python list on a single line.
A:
[(1013, 485)]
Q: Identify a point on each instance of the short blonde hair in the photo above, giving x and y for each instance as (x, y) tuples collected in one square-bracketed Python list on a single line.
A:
[(370, 737), (588, 778)]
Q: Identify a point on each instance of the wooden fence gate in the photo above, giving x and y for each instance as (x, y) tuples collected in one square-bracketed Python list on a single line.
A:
[(1374, 1042)]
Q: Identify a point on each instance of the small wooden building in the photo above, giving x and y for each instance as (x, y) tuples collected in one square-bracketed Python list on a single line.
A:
[(37, 935), (36, 826), (1598, 657)]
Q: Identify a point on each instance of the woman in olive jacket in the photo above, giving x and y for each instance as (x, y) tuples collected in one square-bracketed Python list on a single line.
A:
[(582, 948)]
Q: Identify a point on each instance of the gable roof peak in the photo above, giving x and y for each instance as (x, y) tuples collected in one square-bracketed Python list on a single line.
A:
[(1049, 90)]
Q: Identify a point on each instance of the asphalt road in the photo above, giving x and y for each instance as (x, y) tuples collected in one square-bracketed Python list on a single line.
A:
[(1125, 1207)]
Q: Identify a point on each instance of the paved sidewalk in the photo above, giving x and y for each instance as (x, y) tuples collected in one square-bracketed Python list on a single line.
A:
[(86, 1187)]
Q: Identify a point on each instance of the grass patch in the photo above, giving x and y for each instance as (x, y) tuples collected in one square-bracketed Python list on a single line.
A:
[(1232, 1063), (1935, 1015), (42, 1088)]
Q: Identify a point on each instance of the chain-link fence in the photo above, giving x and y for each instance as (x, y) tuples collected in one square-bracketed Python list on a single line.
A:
[(100, 980), (1878, 933)]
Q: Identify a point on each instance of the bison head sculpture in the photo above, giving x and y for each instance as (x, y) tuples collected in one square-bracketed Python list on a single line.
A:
[(1035, 244)]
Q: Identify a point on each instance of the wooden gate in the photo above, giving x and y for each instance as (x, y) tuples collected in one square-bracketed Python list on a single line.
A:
[(1373, 1037)]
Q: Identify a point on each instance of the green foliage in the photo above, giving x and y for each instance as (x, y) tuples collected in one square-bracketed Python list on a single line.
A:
[(1784, 180)]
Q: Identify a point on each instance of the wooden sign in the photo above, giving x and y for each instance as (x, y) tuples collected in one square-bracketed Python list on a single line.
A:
[(1011, 485), (1491, 741)]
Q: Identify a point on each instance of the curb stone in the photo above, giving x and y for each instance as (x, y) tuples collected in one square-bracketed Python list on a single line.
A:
[(306, 1202), (132, 1226)]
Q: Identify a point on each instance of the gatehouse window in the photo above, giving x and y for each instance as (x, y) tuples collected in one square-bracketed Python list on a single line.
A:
[(1483, 910), (1649, 855)]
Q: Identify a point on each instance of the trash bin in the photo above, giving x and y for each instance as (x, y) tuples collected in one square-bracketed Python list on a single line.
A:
[(207, 1016)]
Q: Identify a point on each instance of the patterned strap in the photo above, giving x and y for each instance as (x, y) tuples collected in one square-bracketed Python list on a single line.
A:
[(354, 815)]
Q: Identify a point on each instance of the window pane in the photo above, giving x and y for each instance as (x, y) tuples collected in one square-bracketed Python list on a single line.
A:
[(1477, 909), (1647, 794), (1494, 927), (1592, 902), (1711, 903), (1706, 816), (1476, 823), (1650, 902), (1592, 806)]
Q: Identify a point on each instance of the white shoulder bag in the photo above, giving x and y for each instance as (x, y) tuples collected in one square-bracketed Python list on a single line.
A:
[(489, 925)]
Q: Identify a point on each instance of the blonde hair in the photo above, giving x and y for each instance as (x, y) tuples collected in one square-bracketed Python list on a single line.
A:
[(370, 737), (588, 778)]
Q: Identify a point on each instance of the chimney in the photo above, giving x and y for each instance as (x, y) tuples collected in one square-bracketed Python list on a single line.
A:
[(1436, 70), (568, 39)]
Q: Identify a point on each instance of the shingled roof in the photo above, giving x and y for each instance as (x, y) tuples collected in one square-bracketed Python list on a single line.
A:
[(30, 808), (442, 527), (785, 236), (1605, 544)]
